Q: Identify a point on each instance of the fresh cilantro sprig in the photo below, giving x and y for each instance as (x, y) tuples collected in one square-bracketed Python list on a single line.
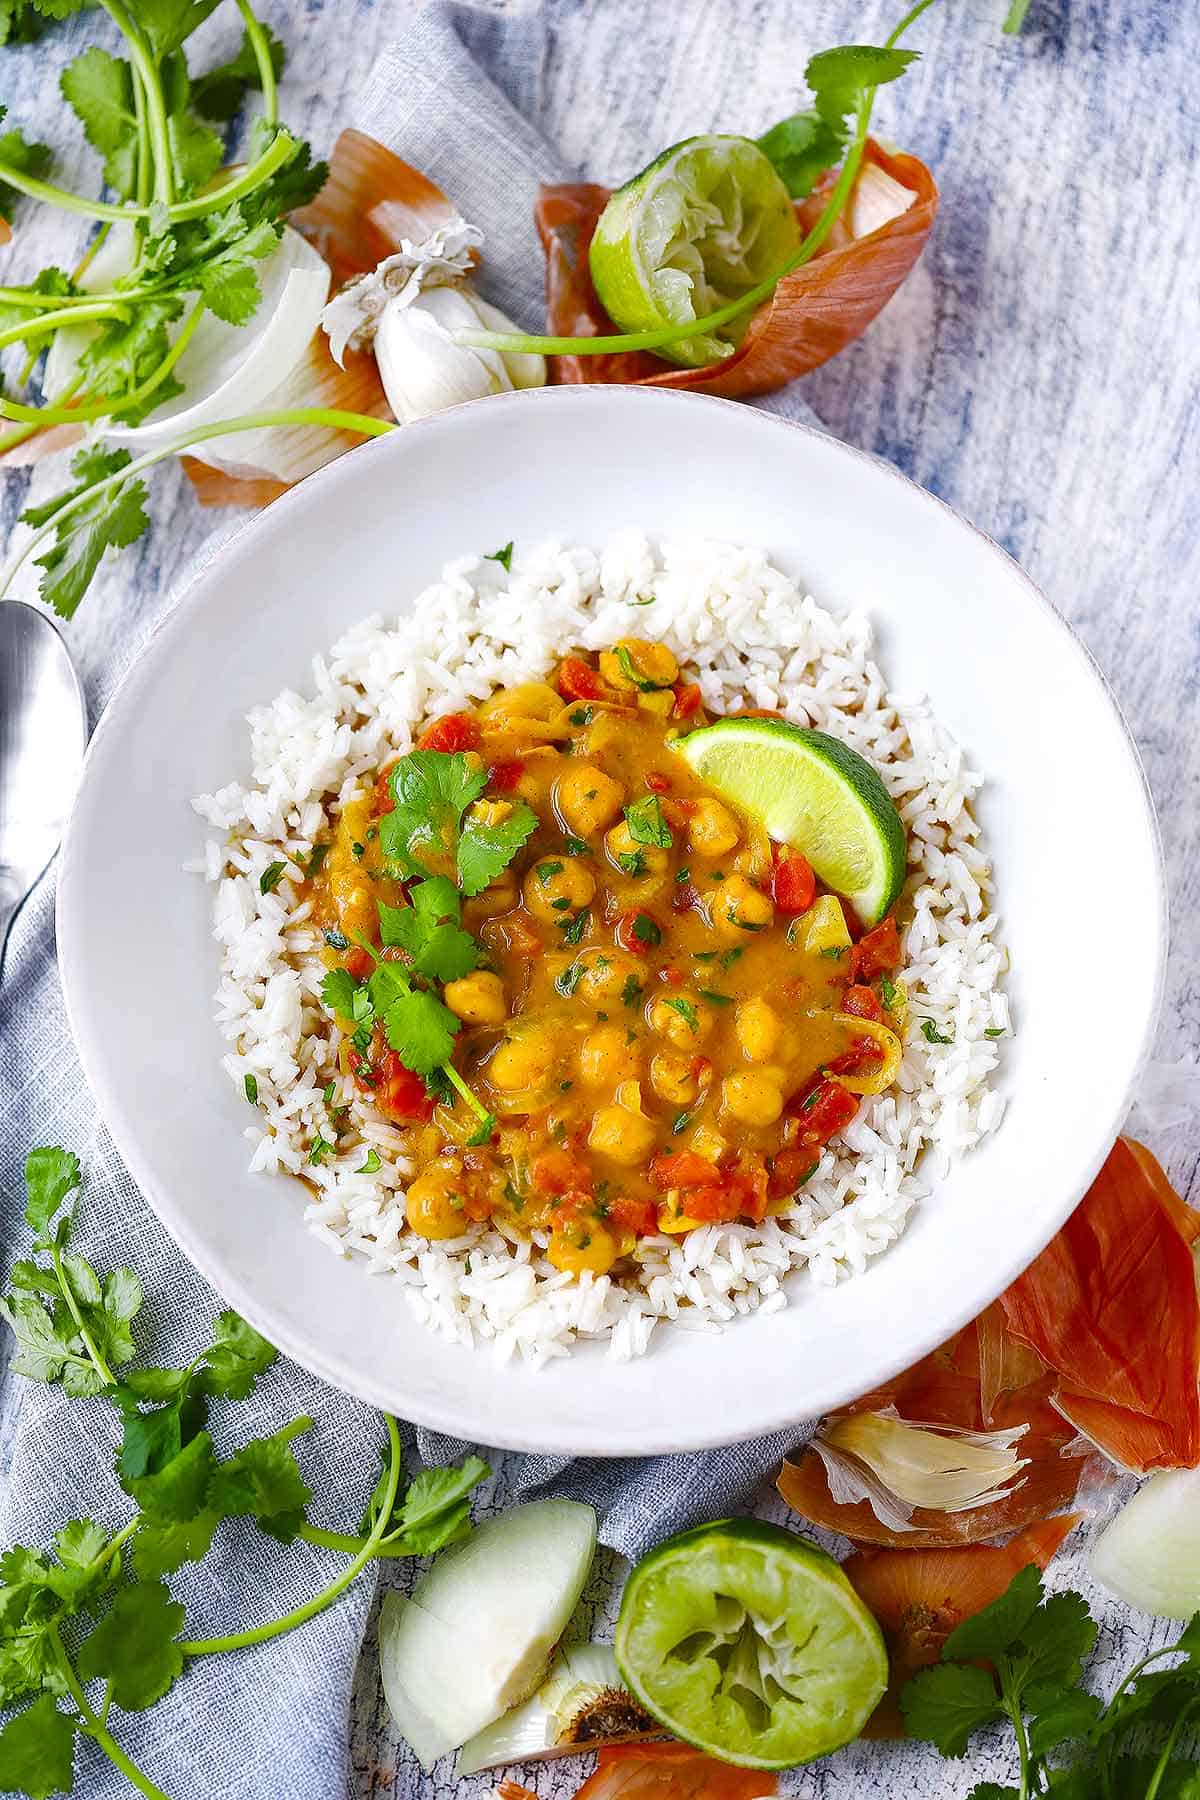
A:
[(1022, 1659), (96, 1607), (436, 826), (806, 144)]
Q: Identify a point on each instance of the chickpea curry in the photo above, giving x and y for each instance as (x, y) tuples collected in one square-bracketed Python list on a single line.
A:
[(596, 999)]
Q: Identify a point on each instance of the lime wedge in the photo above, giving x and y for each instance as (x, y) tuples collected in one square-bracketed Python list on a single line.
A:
[(749, 1642), (813, 792), (706, 222)]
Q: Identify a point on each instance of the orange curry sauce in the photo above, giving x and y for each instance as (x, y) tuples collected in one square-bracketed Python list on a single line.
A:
[(666, 1031)]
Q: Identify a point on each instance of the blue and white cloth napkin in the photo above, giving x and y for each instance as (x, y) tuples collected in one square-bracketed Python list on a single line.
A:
[(273, 1721)]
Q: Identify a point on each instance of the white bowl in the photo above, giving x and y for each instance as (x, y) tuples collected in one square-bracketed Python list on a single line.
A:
[(1065, 810)]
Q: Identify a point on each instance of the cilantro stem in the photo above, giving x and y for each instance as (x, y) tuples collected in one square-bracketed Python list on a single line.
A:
[(118, 403), (1016, 16), (156, 111), (259, 1634), (11, 439), (141, 191), (262, 56), (89, 1342), (282, 148), (350, 1546), (85, 262), (460, 1086), (65, 315), (331, 417), (93, 1724), (1011, 1702)]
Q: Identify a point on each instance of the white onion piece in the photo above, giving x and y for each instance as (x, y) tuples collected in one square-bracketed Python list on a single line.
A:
[(878, 198), (1150, 1555), (232, 369), (581, 1705), (476, 1635)]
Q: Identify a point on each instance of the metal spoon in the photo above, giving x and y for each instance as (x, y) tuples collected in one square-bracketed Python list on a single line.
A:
[(43, 733)]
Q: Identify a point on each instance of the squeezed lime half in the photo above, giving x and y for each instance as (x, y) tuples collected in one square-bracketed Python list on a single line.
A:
[(702, 225), (811, 791), (749, 1642)]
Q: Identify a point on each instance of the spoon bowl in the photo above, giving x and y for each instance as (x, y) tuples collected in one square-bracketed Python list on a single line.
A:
[(43, 733)]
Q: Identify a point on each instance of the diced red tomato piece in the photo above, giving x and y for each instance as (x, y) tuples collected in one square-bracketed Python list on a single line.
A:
[(454, 731), (638, 939), (793, 886), (861, 1054), (684, 896), (748, 1183), (401, 1094), (504, 776), (558, 1172), (789, 1170), (630, 1214), (713, 1205), (876, 951), (359, 962), (862, 1003), (382, 799), (522, 939), (577, 680), (688, 700), (658, 784), (821, 1109), (683, 1169)]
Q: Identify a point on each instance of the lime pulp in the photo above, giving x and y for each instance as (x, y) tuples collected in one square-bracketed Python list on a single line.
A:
[(811, 791), (750, 1643), (703, 224)]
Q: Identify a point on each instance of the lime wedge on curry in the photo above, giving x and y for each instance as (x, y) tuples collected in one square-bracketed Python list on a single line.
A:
[(811, 791), (749, 1642), (703, 224)]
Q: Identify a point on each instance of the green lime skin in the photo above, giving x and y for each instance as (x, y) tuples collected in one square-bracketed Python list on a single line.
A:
[(748, 1642), (698, 227)]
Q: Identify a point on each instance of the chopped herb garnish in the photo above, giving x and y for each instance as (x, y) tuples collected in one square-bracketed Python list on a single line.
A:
[(568, 981), (632, 861), (717, 875), (833, 952), (562, 904), (631, 672), (932, 1035), (810, 1100), (361, 1041), (647, 930), (717, 999), (704, 956), (647, 824), (320, 1149), (684, 1008), (888, 990), (336, 939), (573, 929), (631, 993), (574, 846), (250, 1083), (680, 1123), (503, 557), (482, 1133), (808, 1174), (994, 1031), (373, 1162), (546, 870), (315, 858), (271, 877), (328, 1093), (358, 851), (583, 715), (682, 875), (729, 957), (564, 1087)]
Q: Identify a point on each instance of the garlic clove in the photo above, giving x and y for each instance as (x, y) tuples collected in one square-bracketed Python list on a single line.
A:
[(422, 370)]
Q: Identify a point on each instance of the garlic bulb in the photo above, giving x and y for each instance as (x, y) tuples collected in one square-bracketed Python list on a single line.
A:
[(424, 371)]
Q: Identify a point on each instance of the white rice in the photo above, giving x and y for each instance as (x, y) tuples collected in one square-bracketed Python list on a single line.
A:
[(755, 639)]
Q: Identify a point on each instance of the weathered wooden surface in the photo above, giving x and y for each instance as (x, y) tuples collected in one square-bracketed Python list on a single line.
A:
[(1039, 372)]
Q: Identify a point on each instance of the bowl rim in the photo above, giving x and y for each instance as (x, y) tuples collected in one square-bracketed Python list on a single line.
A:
[(309, 1353)]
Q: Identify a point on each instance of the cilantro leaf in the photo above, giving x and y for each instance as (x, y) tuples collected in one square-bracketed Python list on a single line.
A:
[(946, 1705), (431, 790), (99, 89), (162, 1546), (37, 1751), (196, 149), (484, 850), (167, 23), (220, 92), (50, 1175), (20, 154), (429, 931), (338, 990), (436, 1509), (238, 1355), (127, 353), (228, 280), (47, 1344), (997, 1627), (421, 1031), (1071, 1715), (803, 146), (176, 1492), (264, 1481), (133, 1645), (503, 557), (1060, 1638), (112, 519), (647, 824)]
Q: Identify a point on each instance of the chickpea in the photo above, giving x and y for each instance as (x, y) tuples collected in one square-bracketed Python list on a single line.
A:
[(499, 897), (558, 886), (582, 1244), (587, 799), (605, 973), (757, 1029), (478, 998), (672, 1079), (753, 1097), (620, 842), (739, 908), (712, 829), (433, 1204), (634, 661), (682, 1018), (606, 1057), (522, 1061), (626, 1137)]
